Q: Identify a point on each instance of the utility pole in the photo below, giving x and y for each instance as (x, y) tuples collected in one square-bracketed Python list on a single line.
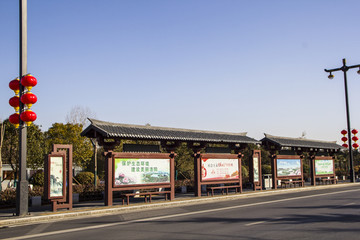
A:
[(2, 133), (345, 68), (22, 188)]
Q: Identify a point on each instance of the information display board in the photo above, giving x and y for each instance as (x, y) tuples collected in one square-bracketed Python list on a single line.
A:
[(219, 169), (133, 171), (256, 169), (288, 167), (56, 176), (324, 166)]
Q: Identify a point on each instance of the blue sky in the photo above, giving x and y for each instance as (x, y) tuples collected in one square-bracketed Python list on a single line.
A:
[(234, 66)]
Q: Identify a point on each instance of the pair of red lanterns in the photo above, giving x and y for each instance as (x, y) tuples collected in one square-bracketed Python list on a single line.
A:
[(354, 138), (27, 98)]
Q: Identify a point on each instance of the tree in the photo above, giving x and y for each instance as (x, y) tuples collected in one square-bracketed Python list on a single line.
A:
[(184, 162), (79, 115), (35, 146), (69, 133), (2, 132)]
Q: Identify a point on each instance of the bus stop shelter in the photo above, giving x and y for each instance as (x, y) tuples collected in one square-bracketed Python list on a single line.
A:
[(108, 135), (320, 153)]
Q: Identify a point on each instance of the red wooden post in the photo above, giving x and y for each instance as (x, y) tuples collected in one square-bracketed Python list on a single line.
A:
[(108, 179), (312, 166), (240, 171), (172, 175), (197, 177), (273, 171)]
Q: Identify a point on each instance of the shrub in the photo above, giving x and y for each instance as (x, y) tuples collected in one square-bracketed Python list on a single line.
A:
[(78, 188), (245, 174), (8, 197), (341, 172), (36, 191), (184, 182), (37, 179), (266, 169), (85, 178), (89, 192), (244, 171)]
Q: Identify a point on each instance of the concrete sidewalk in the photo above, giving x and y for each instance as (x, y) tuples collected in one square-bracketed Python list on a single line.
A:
[(97, 208)]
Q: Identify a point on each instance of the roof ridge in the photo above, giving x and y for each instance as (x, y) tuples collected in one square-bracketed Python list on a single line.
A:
[(100, 122), (298, 139)]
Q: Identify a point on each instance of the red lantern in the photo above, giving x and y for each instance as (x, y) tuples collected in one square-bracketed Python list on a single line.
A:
[(355, 145), (28, 117), (345, 145), (15, 103), (344, 132), (15, 119), (15, 85), (29, 99), (354, 131), (344, 139), (28, 81), (355, 138)]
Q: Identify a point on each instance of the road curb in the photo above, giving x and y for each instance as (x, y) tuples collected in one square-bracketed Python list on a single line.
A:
[(98, 211)]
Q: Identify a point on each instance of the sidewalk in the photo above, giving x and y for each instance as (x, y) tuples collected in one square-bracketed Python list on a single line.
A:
[(97, 208)]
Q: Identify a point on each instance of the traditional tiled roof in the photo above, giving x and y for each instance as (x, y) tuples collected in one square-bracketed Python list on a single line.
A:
[(300, 142), (140, 132)]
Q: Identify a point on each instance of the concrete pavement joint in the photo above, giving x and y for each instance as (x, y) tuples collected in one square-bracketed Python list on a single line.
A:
[(97, 211)]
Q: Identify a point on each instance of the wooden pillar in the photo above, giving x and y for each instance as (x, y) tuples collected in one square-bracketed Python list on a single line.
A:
[(240, 171), (172, 175), (108, 179), (302, 169), (273, 170), (312, 168), (197, 172)]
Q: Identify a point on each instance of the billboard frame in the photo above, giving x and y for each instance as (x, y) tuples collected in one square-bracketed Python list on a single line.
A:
[(110, 170), (289, 178), (322, 176), (198, 170), (257, 185)]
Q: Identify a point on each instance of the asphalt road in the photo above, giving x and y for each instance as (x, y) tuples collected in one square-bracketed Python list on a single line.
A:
[(322, 214)]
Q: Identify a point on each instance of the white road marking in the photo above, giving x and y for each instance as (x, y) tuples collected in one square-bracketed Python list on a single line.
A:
[(171, 216), (261, 222), (255, 223)]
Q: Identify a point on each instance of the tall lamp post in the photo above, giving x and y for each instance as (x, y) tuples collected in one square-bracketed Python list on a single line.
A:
[(345, 68), (22, 188)]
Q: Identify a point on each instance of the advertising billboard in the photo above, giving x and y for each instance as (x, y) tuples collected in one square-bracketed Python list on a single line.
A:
[(219, 169), (56, 166), (288, 167), (256, 169), (324, 166), (131, 171)]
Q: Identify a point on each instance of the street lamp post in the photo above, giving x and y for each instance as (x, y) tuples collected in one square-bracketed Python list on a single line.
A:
[(22, 188), (345, 68)]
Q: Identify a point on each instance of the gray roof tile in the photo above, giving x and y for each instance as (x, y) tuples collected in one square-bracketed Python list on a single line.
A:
[(118, 130), (300, 142)]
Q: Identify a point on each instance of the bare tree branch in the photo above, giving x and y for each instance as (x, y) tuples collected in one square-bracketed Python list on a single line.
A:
[(78, 115)]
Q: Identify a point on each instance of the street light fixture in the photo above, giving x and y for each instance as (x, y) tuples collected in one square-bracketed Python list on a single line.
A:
[(345, 68)]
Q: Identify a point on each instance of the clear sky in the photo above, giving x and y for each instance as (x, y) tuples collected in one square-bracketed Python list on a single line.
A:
[(222, 65)]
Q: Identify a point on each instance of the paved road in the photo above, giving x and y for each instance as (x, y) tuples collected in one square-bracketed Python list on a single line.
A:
[(322, 214)]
